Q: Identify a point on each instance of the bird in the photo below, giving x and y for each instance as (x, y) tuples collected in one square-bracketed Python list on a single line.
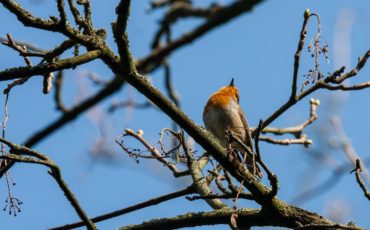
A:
[(222, 112)]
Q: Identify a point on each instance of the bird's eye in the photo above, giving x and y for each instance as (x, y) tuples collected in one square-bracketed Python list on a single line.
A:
[(237, 97)]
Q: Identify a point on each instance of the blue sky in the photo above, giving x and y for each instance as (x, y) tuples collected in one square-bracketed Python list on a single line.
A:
[(255, 49)]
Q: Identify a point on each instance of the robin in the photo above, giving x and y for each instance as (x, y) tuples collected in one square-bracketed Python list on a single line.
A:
[(222, 112)]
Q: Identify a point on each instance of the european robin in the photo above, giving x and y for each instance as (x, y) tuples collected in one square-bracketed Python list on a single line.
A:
[(222, 112)]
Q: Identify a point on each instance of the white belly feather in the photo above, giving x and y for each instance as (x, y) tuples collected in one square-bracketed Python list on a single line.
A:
[(217, 121)]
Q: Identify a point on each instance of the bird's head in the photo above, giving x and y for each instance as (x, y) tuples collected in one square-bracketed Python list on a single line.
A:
[(223, 97), (229, 91)]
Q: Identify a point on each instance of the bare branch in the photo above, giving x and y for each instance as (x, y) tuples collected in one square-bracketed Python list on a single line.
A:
[(17, 150), (124, 68), (48, 55), (346, 88), (22, 72), (220, 196), (47, 83), (77, 16), (272, 177), (200, 183), (297, 55), (169, 86), (357, 171), (87, 10), (32, 160), (182, 9), (30, 47), (59, 49), (129, 104), (295, 130), (247, 218), (57, 25), (21, 49), (338, 74), (62, 13), (58, 92), (329, 183), (217, 175), (360, 64), (222, 16), (144, 204), (119, 31), (143, 65), (288, 141), (27, 18), (155, 153)]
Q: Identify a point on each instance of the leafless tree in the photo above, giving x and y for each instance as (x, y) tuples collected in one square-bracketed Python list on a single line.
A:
[(217, 174)]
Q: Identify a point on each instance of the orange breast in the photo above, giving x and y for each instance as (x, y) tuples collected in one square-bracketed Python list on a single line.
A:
[(221, 98), (218, 101)]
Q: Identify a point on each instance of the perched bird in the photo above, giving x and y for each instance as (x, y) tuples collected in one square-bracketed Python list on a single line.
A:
[(223, 112)]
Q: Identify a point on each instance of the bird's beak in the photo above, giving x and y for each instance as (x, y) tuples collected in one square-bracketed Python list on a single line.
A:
[(232, 82)]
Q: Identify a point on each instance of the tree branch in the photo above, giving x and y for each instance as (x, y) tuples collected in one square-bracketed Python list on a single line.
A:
[(200, 183), (246, 218), (21, 72), (297, 55), (357, 171), (27, 18), (17, 150), (120, 35), (144, 204), (154, 152), (222, 16)]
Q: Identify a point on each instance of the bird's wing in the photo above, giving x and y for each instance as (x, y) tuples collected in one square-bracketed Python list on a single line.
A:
[(252, 166), (248, 138)]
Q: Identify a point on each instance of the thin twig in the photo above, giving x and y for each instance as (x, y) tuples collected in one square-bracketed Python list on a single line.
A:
[(357, 171), (154, 152), (17, 150), (325, 186), (295, 130), (297, 55), (360, 64), (22, 50), (200, 183), (119, 32), (87, 11), (129, 104), (169, 86), (288, 141), (30, 47), (144, 65), (346, 88), (62, 13), (119, 212), (41, 69), (229, 195), (272, 177), (218, 18), (58, 92), (338, 74), (77, 16)]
